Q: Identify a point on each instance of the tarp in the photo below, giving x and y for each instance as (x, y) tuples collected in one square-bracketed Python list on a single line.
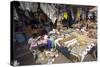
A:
[(50, 10), (93, 9)]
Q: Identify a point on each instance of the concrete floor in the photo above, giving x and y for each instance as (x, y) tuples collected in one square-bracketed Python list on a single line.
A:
[(26, 58), (61, 59)]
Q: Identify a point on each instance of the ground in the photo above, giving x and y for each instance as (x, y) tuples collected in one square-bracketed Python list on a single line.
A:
[(26, 58)]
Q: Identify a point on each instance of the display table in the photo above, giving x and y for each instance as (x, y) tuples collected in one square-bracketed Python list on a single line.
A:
[(75, 48)]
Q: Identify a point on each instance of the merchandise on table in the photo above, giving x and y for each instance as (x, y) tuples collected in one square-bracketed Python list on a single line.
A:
[(92, 33), (67, 38), (47, 57)]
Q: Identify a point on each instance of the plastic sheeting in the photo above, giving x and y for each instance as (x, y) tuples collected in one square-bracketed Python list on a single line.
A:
[(50, 10), (29, 6)]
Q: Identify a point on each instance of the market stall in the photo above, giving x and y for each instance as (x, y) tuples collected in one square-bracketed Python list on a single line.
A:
[(48, 30)]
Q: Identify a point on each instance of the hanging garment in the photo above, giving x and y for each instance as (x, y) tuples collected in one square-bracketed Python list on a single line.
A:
[(44, 39), (65, 15), (52, 38), (78, 14), (49, 43), (20, 37), (33, 44)]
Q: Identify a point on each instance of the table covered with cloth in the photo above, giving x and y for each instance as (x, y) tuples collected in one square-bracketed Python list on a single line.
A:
[(75, 44)]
